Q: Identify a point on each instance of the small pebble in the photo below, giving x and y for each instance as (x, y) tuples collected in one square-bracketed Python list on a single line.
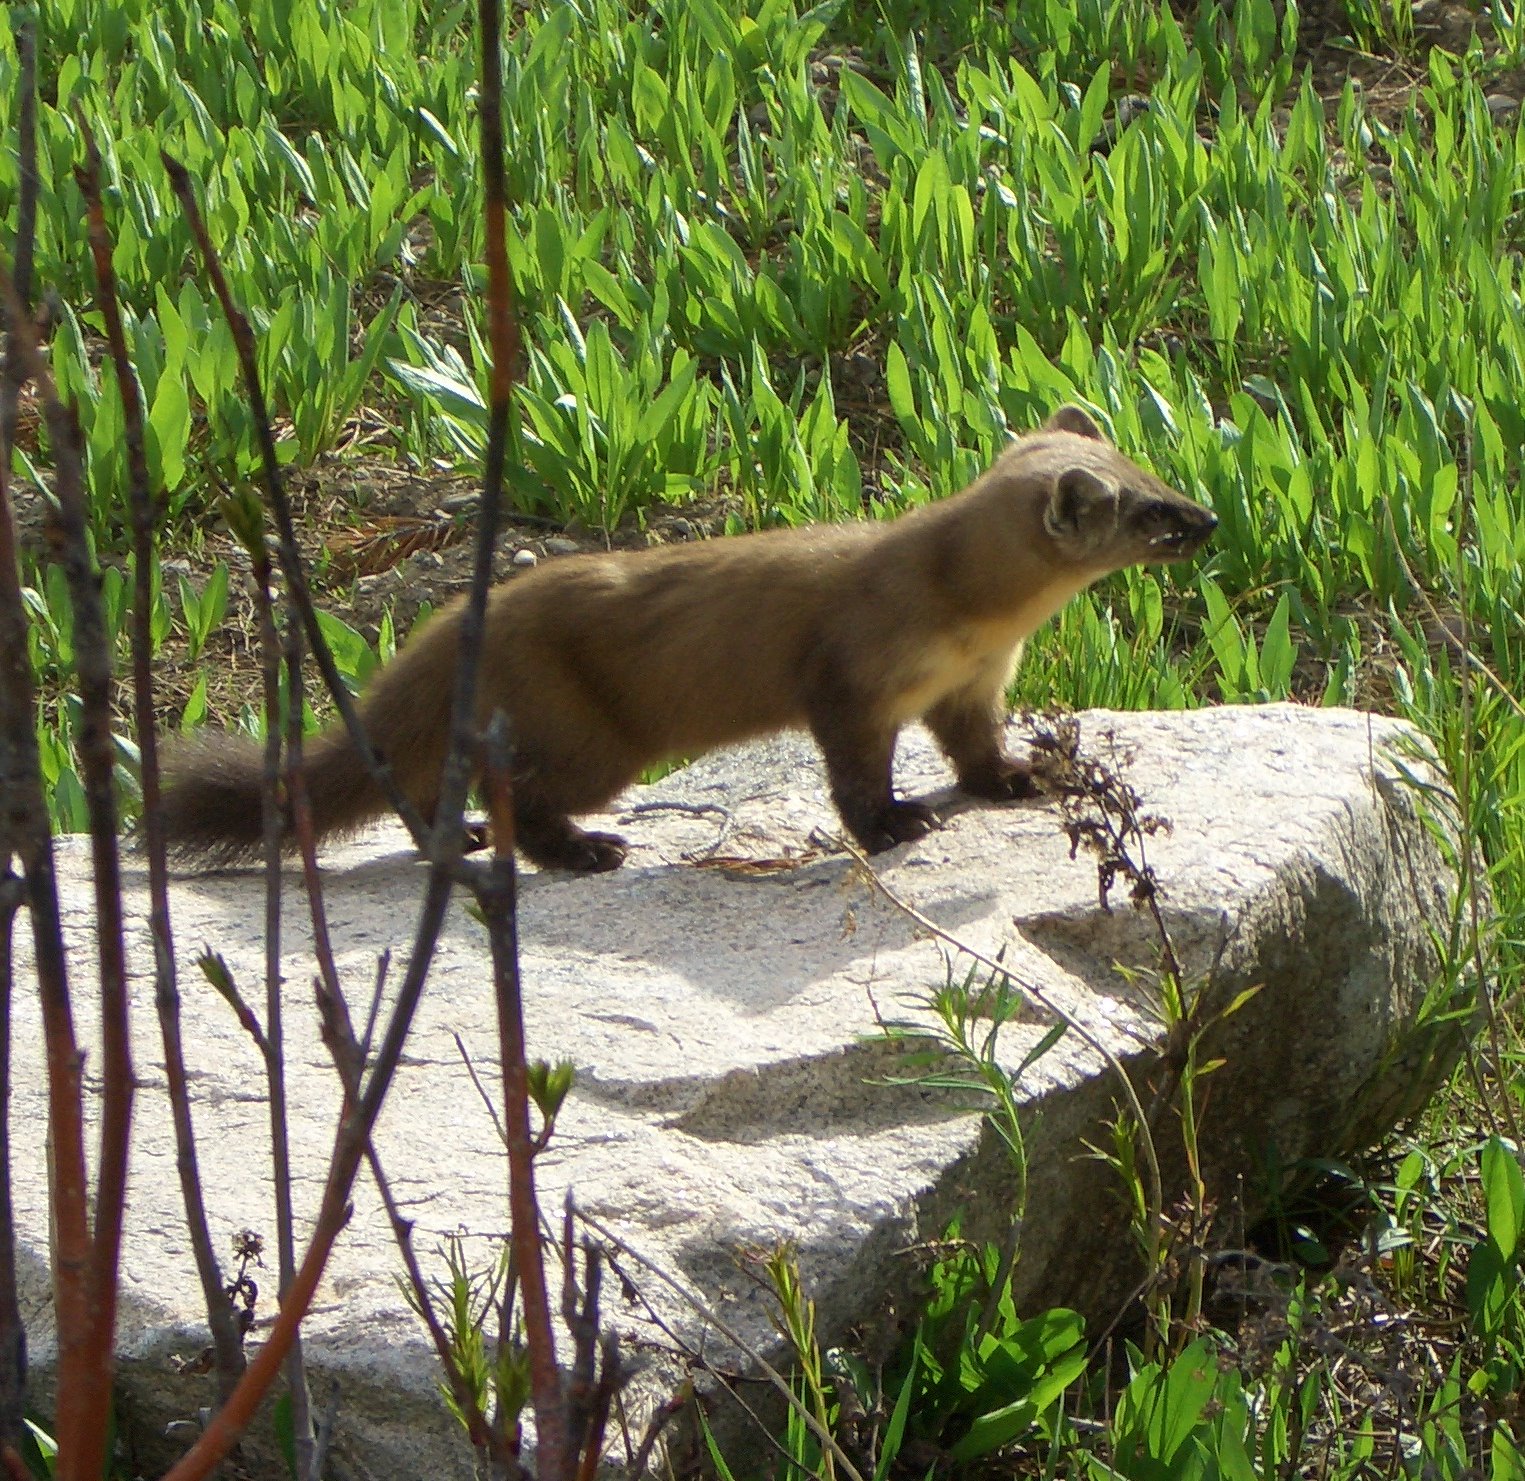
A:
[(525, 558), (860, 368), (682, 529), (1502, 108), (175, 568), (459, 503), (560, 545)]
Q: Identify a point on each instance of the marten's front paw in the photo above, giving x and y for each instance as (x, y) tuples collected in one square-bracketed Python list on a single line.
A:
[(897, 822), (1001, 783)]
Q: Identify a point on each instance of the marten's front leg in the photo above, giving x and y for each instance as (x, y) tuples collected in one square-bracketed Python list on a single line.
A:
[(969, 725)]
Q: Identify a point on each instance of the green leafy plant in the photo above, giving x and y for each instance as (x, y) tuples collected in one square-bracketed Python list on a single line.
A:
[(204, 611), (1495, 1293), (982, 1378)]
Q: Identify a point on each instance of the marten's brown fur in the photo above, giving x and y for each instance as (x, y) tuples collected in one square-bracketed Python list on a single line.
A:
[(606, 664)]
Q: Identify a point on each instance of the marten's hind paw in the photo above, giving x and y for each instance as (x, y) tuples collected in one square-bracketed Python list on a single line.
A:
[(601, 852), (572, 849)]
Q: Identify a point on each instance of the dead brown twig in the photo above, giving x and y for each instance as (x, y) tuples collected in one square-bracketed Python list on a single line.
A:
[(20, 799), (87, 1313), (348, 1054), (227, 1342), (355, 1132), (569, 1418)]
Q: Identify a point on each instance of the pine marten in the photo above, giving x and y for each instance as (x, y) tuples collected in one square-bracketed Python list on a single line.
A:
[(608, 663)]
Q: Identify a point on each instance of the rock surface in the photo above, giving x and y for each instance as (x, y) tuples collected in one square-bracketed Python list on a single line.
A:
[(721, 999)]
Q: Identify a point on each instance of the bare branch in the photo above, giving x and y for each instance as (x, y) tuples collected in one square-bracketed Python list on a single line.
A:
[(20, 797), (348, 1056), (276, 811), (227, 1344), (230, 1422), (497, 892), (82, 1425), (275, 491)]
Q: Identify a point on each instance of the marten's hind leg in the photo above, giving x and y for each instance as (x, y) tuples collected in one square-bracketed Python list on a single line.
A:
[(544, 832), (553, 841), (551, 786)]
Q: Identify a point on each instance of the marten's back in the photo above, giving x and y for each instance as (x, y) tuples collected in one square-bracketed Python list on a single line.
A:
[(682, 648)]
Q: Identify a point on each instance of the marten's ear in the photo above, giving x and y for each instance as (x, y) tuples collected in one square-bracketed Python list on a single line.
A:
[(1074, 419), (1081, 511)]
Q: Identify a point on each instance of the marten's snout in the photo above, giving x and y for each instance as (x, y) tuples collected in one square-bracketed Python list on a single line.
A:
[(1175, 528), (1194, 531)]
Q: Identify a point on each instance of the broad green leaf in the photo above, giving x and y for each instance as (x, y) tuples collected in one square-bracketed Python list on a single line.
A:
[(1504, 1192), (897, 381), (169, 428)]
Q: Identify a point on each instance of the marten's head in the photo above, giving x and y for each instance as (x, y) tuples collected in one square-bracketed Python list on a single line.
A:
[(1105, 512)]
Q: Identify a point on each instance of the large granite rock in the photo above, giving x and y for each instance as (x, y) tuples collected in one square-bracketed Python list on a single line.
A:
[(734, 1087)]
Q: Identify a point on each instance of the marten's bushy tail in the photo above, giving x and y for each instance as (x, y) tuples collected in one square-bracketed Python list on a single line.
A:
[(212, 800)]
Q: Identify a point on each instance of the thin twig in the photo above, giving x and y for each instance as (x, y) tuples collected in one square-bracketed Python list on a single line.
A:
[(497, 895), (215, 969), (664, 1416), (777, 1379), (496, 886), (230, 1422), (675, 1403), (20, 795), (227, 1344), (277, 811), (12, 1330), (1039, 996), (225, 1428), (481, 1089), (82, 1428), (379, 987), (349, 1061), (323, 1437), (297, 590), (503, 340)]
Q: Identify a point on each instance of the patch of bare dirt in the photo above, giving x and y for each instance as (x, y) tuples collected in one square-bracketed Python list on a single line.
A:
[(379, 540)]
